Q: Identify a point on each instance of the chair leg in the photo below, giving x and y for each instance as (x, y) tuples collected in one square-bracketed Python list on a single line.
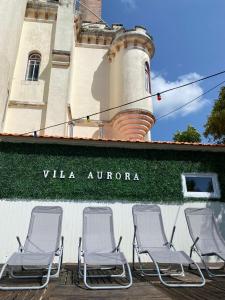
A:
[(209, 272), (144, 273), (12, 288), (200, 284), (98, 287), (2, 270), (56, 275), (133, 259)]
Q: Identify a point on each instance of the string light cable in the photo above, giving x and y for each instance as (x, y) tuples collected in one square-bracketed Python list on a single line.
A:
[(137, 100), (192, 82), (189, 102)]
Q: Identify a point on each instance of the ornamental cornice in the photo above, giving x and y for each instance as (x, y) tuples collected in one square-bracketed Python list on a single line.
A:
[(127, 39), (115, 37), (97, 39), (98, 34), (41, 10)]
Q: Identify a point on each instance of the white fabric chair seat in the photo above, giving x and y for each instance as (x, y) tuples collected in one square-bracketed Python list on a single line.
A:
[(167, 256), (30, 259), (105, 259)]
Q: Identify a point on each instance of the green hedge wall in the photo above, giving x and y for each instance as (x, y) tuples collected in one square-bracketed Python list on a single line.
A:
[(159, 171)]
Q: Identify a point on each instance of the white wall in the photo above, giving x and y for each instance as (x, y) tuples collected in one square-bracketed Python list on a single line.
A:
[(36, 36), (11, 21), (60, 75), (90, 82), (30, 97), (15, 217), (31, 120)]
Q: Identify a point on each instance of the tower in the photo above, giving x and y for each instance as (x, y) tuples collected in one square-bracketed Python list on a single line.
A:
[(129, 56), (91, 10)]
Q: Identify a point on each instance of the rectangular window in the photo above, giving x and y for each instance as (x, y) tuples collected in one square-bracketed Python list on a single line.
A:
[(200, 185)]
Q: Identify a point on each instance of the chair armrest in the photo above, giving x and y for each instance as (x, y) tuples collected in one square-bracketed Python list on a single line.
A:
[(172, 235), (170, 245), (79, 249), (118, 245), (193, 246), (134, 238), (20, 245), (79, 245), (195, 242), (62, 242), (59, 250)]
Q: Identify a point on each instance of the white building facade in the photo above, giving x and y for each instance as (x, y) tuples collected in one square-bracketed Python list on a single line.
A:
[(66, 64)]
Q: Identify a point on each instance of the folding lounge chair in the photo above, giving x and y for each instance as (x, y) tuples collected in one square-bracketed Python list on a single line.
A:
[(150, 239), (41, 246), (99, 250), (206, 236)]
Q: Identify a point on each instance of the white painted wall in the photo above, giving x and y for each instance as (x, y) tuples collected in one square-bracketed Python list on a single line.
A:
[(46, 99), (15, 217), (11, 21), (86, 131), (36, 36), (57, 101), (31, 117), (90, 82), (60, 75), (64, 26)]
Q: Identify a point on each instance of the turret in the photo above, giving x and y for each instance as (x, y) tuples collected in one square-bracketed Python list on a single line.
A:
[(129, 56)]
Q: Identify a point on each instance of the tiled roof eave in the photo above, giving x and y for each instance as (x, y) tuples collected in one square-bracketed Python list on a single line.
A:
[(160, 145)]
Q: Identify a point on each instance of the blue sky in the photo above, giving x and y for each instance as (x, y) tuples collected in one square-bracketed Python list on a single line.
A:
[(189, 37)]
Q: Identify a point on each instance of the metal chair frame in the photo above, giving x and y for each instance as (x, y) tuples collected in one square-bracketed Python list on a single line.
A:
[(82, 271), (160, 272), (47, 277), (201, 256)]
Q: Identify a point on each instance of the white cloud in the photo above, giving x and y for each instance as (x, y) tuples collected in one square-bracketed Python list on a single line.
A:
[(177, 98), (129, 3)]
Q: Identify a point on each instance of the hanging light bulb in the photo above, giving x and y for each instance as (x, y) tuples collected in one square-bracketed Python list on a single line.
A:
[(159, 97)]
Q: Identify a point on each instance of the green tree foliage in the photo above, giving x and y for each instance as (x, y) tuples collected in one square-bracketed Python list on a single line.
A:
[(190, 135), (215, 125)]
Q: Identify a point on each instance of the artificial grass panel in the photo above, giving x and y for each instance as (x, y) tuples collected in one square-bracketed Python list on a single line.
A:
[(159, 172)]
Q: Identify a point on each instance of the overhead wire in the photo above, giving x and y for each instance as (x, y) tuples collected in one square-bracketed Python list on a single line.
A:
[(192, 82), (137, 100), (189, 102)]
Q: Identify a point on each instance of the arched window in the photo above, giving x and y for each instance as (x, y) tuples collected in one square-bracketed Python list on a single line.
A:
[(147, 78), (33, 66)]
